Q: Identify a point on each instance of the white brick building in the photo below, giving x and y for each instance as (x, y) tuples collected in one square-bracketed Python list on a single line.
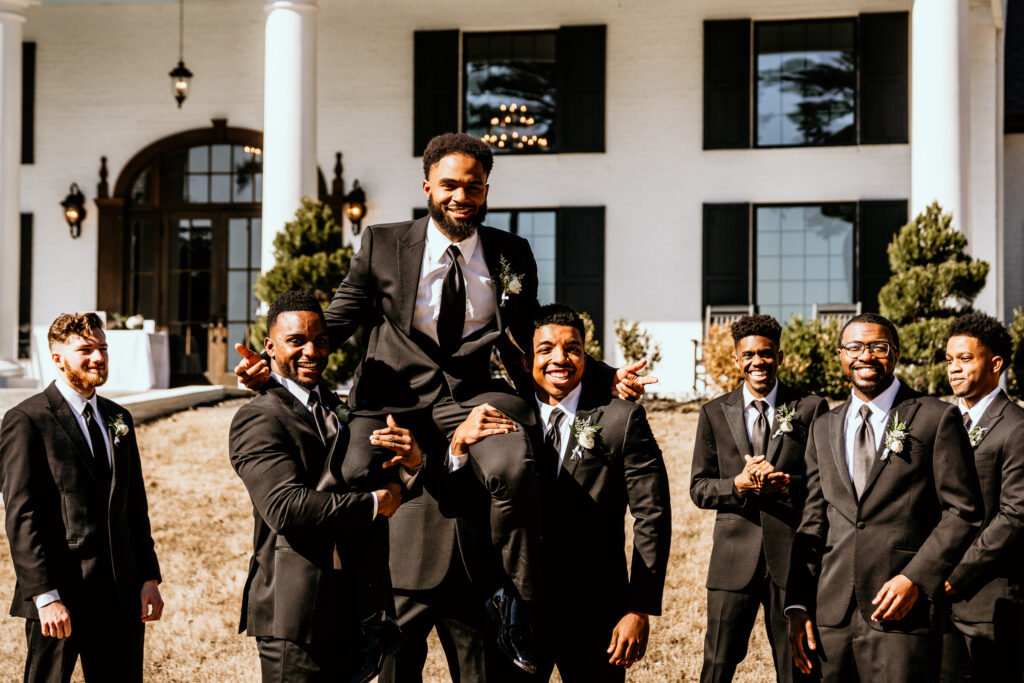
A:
[(679, 170)]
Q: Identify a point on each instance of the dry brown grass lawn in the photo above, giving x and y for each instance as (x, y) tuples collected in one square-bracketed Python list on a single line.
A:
[(202, 522)]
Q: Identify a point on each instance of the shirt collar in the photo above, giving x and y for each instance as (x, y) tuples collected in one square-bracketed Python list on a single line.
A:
[(438, 243), (75, 399), (880, 404), (567, 405), (769, 399), (295, 389), (980, 407)]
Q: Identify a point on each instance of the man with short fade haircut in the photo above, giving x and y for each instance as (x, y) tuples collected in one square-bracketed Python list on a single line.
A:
[(892, 504), (748, 466), (435, 296), (597, 456), (985, 639), (78, 519), (319, 567)]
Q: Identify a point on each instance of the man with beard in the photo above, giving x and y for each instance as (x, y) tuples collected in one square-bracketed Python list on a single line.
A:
[(748, 466), (77, 518), (434, 297), (892, 504), (985, 639)]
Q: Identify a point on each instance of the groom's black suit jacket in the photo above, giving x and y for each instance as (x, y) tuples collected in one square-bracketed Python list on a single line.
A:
[(992, 569), (918, 513), (67, 530), (749, 525), (301, 510), (584, 505)]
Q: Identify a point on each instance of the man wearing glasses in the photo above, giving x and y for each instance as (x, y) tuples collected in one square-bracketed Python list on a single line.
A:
[(892, 503)]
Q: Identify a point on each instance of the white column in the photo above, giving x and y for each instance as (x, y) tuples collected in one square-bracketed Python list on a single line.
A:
[(289, 115), (939, 118), (11, 21)]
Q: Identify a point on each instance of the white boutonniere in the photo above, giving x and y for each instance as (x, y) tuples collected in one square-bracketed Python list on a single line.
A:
[(511, 283), (895, 436), (976, 434), (118, 427), (784, 416), (586, 435)]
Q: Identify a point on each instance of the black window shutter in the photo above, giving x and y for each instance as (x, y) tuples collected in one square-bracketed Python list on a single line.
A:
[(580, 54), (435, 93), (579, 261), (877, 223), (28, 103), (726, 254), (727, 84), (25, 288), (884, 84)]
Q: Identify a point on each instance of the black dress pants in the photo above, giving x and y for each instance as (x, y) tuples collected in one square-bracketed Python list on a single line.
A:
[(286, 661), (111, 650), (502, 463), (989, 651)]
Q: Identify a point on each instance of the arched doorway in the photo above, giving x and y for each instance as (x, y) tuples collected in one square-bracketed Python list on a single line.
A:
[(179, 242)]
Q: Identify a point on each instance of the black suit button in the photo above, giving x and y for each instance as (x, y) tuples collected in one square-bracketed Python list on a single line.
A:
[(861, 525)]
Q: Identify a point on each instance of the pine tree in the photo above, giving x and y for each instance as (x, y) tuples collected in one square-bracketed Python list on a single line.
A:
[(933, 281), (309, 254)]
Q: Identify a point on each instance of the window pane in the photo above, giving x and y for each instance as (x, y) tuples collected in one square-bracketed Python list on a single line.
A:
[(815, 264), (256, 243), (806, 83), (537, 228), (220, 188), (198, 192), (198, 159), (238, 295), (236, 335), (502, 220), (199, 300), (144, 296), (201, 245), (238, 243), (510, 90), (220, 158)]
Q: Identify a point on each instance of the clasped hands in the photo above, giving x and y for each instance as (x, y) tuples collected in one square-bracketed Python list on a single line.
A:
[(759, 476)]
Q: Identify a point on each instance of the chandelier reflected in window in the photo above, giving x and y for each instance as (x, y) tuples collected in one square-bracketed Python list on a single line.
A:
[(512, 128)]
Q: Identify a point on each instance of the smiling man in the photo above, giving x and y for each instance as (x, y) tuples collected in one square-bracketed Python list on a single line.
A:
[(985, 639), (597, 456), (892, 503), (77, 518), (748, 466)]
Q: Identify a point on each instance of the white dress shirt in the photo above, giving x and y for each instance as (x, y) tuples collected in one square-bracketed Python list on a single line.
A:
[(880, 407), (980, 407), (750, 415), (77, 403), (479, 292), (567, 405)]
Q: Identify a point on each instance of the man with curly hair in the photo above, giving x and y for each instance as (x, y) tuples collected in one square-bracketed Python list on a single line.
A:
[(984, 639), (748, 466)]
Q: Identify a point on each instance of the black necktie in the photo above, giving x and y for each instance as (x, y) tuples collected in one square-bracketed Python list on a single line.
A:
[(99, 449), (759, 434), (967, 421), (553, 437), (863, 450), (327, 426), (451, 318)]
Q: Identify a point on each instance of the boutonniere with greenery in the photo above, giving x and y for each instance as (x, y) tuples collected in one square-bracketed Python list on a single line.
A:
[(895, 437), (118, 427), (343, 411), (785, 415), (977, 434), (586, 436), (511, 283)]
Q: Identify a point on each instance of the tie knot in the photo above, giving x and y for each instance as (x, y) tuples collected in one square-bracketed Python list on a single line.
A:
[(760, 406), (87, 413), (453, 252), (865, 412)]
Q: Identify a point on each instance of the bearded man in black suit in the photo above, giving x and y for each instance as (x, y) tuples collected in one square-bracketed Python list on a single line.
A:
[(78, 519), (434, 297), (597, 456), (748, 466), (984, 639), (317, 572), (892, 503)]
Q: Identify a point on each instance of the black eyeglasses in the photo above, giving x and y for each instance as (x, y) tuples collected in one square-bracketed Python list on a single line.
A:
[(878, 349)]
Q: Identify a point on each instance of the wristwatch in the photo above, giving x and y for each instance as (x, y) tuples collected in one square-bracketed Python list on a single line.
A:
[(416, 470)]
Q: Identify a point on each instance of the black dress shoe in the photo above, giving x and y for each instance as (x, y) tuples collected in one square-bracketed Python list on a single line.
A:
[(515, 630), (380, 636)]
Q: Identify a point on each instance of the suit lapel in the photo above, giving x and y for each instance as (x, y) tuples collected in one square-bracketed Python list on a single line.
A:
[(782, 398), (109, 410), (905, 406), (64, 417), (492, 256), (837, 433), (410, 263), (302, 414), (992, 415), (733, 408), (587, 408)]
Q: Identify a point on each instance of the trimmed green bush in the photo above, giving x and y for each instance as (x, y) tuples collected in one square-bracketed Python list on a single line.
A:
[(811, 357)]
